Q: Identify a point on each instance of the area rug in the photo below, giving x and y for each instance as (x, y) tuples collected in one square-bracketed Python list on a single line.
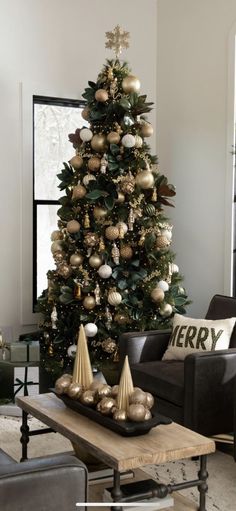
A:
[(222, 468)]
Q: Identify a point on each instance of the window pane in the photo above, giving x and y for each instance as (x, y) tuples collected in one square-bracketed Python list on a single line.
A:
[(52, 124), (46, 223)]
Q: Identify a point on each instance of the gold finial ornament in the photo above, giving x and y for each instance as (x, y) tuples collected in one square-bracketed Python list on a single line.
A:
[(117, 39)]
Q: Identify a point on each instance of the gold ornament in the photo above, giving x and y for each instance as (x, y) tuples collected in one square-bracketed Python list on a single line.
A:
[(114, 391), (85, 113), (86, 221), (115, 254), (138, 141), (120, 415), (101, 95), (136, 413), (126, 252), (114, 298), (113, 137), (99, 212), (98, 142), (58, 257), (96, 384), (127, 183), (123, 229), (77, 291), (125, 387), (109, 345), (112, 232), (95, 261), (54, 318), (94, 163), (166, 310), (157, 295), (74, 390), (97, 294), (73, 226), (79, 191), (76, 260), (57, 246), (131, 84), (121, 198), (162, 242), (121, 318), (117, 39), (101, 245), (104, 164), (62, 385), (50, 349), (148, 415), (108, 322), (106, 405), (64, 270), (104, 391), (147, 129), (144, 179), (131, 219), (91, 239), (154, 195), (56, 235), (149, 400), (82, 370), (89, 302), (138, 396), (76, 162), (88, 398)]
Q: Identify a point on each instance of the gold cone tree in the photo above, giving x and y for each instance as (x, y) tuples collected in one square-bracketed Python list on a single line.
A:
[(114, 268)]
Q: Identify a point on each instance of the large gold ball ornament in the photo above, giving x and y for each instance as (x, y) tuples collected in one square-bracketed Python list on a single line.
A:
[(85, 113), (57, 246), (148, 415), (91, 239), (126, 252), (113, 137), (95, 385), (157, 295), (114, 298), (120, 415), (114, 391), (147, 129), (98, 142), (106, 405), (89, 302), (104, 391), (131, 84), (101, 95), (162, 242), (88, 398), (73, 226), (62, 385), (95, 261), (64, 270), (74, 391), (76, 162), (121, 318), (112, 232), (138, 396), (76, 260), (99, 212), (149, 400), (56, 235), (136, 412), (79, 191), (94, 163), (144, 179)]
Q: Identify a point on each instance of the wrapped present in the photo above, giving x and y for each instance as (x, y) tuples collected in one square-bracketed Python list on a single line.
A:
[(26, 381), (24, 351)]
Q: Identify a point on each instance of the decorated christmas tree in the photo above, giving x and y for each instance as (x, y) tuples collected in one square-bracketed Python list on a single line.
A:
[(114, 269)]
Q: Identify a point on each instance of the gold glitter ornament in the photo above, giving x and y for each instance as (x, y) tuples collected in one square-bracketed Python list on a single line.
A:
[(89, 302), (113, 137), (91, 239), (120, 415), (114, 298), (106, 405), (101, 245), (121, 318), (86, 221), (74, 390), (162, 242), (76, 162), (58, 257), (115, 254), (76, 260), (147, 129), (56, 235), (94, 163), (99, 212), (95, 260), (130, 84), (126, 252), (88, 398), (109, 345), (144, 179), (79, 191), (127, 183), (64, 270), (101, 95), (98, 142), (73, 226), (112, 232), (136, 412), (157, 295)]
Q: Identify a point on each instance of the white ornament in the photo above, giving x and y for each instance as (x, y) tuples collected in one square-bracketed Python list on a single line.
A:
[(173, 268), (138, 141), (90, 329), (166, 310), (87, 178), (54, 318), (86, 134), (163, 285), (105, 271), (114, 298), (72, 351), (123, 228), (128, 140), (167, 233)]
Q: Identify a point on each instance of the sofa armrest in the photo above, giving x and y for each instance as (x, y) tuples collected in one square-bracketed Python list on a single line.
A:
[(209, 391), (143, 346), (54, 483)]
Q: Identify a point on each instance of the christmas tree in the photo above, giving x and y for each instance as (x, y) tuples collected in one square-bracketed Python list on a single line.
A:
[(115, 271)]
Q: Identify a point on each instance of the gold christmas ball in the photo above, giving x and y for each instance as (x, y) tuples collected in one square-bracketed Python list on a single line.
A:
[(76, 259), (114, 298), (104, 391), (138, 141), (85, 113), (147, 129), (76, 162), (166, 310), (89, 302), (95, 385), (94, 163), (109, 345), (112, 232), (113, 137), (99, 212), (121, 198), (56, 235), (57, 246), (79, 191), (88, 398), (91, 239), (106, 405), (149, 400), (62, 385), (138, 396), (73, 226), (98, 142), (131, 84), (75, 390), (148, 415), (144, 179), (95, 261), (64, 270), (126, 252), (101, 95), (121, 318), (136, 412), (120, 415), (162, 242), (114, 391), (58, 256), (157, 295), (127, 184)]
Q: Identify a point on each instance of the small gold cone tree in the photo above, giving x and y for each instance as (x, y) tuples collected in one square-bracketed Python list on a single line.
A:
[(82, 371), (125, 387)]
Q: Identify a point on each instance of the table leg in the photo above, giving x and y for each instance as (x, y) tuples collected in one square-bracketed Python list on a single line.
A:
[(116, 491), (203, 487), (24, 435)]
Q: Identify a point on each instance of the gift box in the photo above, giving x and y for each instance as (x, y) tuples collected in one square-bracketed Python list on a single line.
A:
[(26, 383), (24, 351)]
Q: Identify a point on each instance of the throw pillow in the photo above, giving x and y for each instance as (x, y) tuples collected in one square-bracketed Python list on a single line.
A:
[(190, 335)]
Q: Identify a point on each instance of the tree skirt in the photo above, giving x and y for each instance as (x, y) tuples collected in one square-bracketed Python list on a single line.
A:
[(222, 468)]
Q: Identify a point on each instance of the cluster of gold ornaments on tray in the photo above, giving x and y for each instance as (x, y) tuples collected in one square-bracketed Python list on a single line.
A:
[(122, 402)]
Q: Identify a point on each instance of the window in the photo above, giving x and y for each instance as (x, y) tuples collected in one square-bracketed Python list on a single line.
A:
[(53, 120)]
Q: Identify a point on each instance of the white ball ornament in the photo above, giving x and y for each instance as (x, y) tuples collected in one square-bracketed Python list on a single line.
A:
[(167, 233), (166, 310), (105, 271), (87, 178), (128, 141), (72, 351), (174, 268), (163, 285), (138, 141), (90, 329), (86, 134)]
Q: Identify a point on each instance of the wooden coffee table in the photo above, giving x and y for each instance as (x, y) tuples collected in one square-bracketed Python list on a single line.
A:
[(162, 444)]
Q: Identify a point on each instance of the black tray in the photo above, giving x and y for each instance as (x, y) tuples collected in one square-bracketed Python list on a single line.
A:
[(124, 428)]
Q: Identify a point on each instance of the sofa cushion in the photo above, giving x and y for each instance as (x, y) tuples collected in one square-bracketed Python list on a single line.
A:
[(191, 335), (164, 379)]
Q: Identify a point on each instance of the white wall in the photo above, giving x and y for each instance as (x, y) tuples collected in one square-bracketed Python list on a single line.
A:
[(52, 47), (193, 143)]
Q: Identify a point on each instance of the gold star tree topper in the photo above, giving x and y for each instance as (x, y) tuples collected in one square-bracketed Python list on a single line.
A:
[(117, 39)]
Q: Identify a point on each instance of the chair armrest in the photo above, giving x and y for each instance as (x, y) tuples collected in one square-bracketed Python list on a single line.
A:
[(54, 483), (209, 391), (143, 346)]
